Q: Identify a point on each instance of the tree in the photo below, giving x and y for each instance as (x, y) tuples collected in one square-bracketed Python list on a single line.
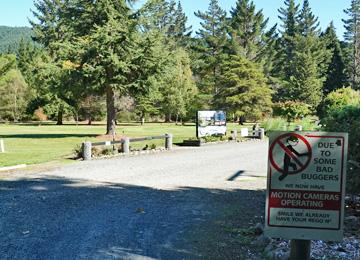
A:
[(178, 87), (7, 62), (289, 17), (13, 90), (244, 89), (291, 110), (303, 58), (352, 36), (247, 29), (335, 74), (270, 50), (178, 30), (308, 22), (151, 65), (91, 108), (211, 46), (97, 48)]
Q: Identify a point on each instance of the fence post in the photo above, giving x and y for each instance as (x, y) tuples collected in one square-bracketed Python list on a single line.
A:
[(261, 133), (2, 146), (234, 135), (126, 145), (86, 151), (168, 141)]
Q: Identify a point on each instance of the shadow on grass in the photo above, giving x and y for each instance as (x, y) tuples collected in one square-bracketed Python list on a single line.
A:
[(41, 136), (54, 218)]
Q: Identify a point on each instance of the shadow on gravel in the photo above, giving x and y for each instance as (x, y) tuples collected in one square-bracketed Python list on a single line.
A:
[(49, 218)]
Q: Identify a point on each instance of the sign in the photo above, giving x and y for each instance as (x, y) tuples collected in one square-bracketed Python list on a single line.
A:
[(210, 123), (306, 185)]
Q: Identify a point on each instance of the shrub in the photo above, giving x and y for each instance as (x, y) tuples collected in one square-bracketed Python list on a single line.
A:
[(107, 151), (96, 151), (213, 138), (339, 99), (274, 124), (291, 110), (347, 120), (39, 114), (77, 151)]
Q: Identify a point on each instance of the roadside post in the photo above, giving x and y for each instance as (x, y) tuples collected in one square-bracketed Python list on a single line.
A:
[(261, 133), (168, 141), (86, 150), (126, 145), (306, 188), (234, 135), (2, 146)]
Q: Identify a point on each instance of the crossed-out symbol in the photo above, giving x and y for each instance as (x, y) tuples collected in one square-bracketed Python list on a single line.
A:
[(296, 151)]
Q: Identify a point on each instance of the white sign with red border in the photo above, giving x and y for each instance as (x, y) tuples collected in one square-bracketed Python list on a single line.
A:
[(306, 185)]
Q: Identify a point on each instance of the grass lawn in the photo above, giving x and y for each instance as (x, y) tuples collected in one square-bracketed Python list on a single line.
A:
[(33, 144)]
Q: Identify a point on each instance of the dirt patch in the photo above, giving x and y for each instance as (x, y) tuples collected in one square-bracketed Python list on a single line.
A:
[(232, 233)]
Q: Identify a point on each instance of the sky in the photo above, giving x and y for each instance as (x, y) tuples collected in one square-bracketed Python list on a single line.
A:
[(17, 12)]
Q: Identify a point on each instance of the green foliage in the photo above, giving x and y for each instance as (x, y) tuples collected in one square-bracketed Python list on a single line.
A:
[(14, 92), (96, 52), (211, 47), (338, 100), (285, 56), (212, 138), (7, 62), (336, 73), (291, 110), (274, 124), (347, 119), (10, 38), (244, 89), (77, 151), (178, 88), (352, 36), (302, 60), (247, 30), (92, 108), (308, 22), (306, 82), (281, 124)]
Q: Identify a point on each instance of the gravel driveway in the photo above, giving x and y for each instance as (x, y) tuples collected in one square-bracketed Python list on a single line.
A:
[(138, 207)]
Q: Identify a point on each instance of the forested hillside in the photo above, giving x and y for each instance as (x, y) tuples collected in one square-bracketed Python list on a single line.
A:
[(11, 36)]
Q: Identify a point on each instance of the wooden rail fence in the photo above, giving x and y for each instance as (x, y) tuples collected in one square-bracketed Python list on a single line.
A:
[(125, 144)]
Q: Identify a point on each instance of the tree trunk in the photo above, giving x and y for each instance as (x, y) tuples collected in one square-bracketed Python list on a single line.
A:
[(168, 118), (60, 115), (142, 120), (111, 112), (89, 120), (176, 119)]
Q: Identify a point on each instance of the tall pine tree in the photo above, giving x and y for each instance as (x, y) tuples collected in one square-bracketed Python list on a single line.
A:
[(289, 17), (98, 47), (247, 29), (211, 46), (244, 90), (335, 73), (303, 59), (352, 36)]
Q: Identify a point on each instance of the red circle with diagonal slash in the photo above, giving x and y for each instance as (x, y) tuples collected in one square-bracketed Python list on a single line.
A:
[(277, 141)]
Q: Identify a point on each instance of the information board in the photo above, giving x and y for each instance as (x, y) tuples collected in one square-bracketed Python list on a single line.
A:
[(306, 185), (210, 123)]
